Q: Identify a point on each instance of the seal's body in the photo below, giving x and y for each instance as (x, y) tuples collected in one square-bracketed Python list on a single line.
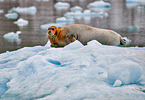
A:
[(61, 36)]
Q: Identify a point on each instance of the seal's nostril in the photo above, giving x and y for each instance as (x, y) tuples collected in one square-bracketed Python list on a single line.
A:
[(49, 32)]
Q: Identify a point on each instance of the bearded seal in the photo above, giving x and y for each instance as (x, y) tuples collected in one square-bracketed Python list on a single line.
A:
[(61, 36)]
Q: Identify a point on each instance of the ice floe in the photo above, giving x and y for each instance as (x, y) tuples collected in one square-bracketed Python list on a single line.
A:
[(24, 10), (11, 15), (21, 22), (65, 21), (141, 2), (62, 5), (99, 6), (140, 8), (86, 13), (46, 26), (131, 3), (13, 37), (75, 72), (76, 8)]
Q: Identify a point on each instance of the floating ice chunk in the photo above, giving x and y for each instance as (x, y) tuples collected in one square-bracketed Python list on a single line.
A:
[(99, 5), (88, 13), (76, 8), (141, 2), (132, 28), (25, 10), (46, 26), (13, 37), (117, 83), (73, 14), (61, 5), (64, 21), (21, 22), (140, 8), (126, 71), (131, 3), (11, 15), (76, 14), (1, 11), (74, 45)]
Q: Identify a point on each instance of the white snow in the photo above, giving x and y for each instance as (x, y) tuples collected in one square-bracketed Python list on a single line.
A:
[(21, 22), (11, 15), (75, 72)]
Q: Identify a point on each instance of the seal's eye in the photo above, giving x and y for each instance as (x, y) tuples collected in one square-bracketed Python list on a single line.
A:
[(53, 29)]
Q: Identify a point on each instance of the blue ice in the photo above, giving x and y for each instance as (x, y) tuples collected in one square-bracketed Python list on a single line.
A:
[(73, 72)]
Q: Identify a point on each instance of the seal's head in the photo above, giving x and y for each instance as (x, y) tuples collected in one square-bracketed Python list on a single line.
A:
[(52, 30), (58, 36)]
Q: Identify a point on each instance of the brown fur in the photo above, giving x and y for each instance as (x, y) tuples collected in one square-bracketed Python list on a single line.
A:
[(61, 36)]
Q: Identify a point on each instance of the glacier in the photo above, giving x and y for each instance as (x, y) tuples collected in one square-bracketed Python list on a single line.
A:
[(73, 72)]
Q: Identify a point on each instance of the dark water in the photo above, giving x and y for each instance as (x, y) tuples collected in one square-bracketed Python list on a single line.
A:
[(120, 18)]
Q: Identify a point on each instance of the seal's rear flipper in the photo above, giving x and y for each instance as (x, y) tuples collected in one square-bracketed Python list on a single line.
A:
[(122, 41)]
